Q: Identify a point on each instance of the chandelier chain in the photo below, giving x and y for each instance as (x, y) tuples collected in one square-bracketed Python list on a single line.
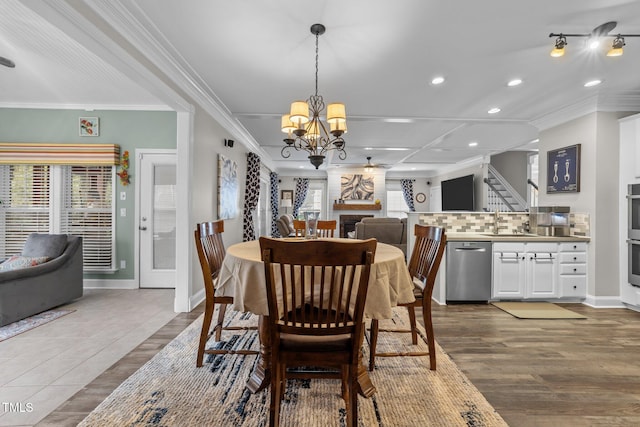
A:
[(317, 56)]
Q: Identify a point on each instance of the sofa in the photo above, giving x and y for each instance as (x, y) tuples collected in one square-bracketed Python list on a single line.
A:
[(46, 274), (392, 231), (285, 225)]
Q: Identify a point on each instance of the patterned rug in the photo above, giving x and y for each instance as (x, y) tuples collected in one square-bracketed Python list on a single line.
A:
[(170, 391), (24, 325)]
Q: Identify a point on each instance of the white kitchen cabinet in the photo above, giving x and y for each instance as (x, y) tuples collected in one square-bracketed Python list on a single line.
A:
[(508, 271), (541, 270), (573, 270)]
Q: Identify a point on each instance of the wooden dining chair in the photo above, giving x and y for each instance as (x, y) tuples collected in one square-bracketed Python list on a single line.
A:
[(300, 226), (211, 251), (423, 267), (316, 290), (326, 228)]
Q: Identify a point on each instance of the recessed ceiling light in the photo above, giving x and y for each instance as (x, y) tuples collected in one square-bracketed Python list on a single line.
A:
[(473, 144), (592, 83), (494, 110), (437, 80), (514, 82)]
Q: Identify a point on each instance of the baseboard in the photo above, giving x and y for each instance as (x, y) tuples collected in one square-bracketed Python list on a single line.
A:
[(603, 302), (109, 284), (196, 299)]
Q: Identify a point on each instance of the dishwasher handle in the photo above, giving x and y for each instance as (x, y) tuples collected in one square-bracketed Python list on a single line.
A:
[(470, 249)]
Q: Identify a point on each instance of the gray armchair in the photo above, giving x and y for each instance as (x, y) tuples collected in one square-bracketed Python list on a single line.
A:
[(285, 225), (392, 231), (28, 291)]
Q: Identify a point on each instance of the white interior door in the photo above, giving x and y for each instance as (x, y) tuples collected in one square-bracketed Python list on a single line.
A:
[(157, 220), (435, 199)]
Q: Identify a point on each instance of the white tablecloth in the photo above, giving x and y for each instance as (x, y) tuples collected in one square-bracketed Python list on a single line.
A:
[(242, 276)]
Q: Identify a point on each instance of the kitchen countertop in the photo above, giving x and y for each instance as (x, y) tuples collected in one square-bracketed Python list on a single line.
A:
[(490, 237)]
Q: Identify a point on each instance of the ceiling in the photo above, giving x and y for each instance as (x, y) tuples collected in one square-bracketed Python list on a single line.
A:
[(253, 57)]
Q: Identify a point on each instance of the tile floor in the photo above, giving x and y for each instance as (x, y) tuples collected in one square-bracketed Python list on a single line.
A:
[(42, 368)]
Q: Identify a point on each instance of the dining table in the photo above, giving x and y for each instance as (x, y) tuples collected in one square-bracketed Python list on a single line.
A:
[(242, 276)]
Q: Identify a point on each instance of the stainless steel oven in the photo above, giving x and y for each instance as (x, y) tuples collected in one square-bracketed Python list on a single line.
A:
[(633, 197), (634, 262)]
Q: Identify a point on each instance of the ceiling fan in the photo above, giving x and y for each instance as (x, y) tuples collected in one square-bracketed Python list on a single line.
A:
[(369, 167), (7, 62)]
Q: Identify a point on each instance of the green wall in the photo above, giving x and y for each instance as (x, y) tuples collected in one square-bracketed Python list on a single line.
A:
[(129, 129)]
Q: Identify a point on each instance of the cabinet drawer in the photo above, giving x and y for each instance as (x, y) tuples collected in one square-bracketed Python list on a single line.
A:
[(580, 269), (508, 247), (575, 257), (573, 247), (542, 247), (573, 286)]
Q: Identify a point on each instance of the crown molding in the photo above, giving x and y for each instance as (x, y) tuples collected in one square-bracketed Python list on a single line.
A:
[(82, 29), (604, 101), (132, 24), (86, 107), (568, 113)]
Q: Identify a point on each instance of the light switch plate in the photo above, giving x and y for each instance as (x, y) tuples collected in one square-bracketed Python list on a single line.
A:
[(123, 211), (123, 195)]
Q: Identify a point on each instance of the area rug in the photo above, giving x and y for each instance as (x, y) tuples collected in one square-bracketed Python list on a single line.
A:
[(24, 325), (170, 391), (537, 310)]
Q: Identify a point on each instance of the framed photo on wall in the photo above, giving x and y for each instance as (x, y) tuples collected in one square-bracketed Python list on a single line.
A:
[(563, 170), (286, 195)]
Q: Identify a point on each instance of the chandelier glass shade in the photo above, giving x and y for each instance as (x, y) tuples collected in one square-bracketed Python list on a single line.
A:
[(305, 129)]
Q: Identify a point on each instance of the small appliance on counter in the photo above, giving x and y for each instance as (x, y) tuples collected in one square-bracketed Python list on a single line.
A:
[(550, 220)]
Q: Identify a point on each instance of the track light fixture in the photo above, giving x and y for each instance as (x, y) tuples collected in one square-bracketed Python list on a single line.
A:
[(595, 35)]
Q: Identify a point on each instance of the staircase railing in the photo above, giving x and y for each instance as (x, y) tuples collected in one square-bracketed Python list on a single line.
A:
[(491, 171), (494, 198), (533, 193)]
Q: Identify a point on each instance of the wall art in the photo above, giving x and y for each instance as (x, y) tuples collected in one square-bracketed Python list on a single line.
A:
[(356, 187), (227, 188), (563, 170)]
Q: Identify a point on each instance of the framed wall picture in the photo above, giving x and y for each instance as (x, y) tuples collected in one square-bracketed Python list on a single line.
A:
[(89, 126), (286, 195), (563, 170), (356, 187), (228, 188)]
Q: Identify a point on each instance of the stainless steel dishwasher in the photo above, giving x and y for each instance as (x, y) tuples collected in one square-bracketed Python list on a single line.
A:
[(468, 275)]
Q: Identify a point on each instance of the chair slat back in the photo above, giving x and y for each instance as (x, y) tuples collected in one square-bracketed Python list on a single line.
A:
[(426, 255), (300, 227), (326, 228), (211, 250), (316, 287)]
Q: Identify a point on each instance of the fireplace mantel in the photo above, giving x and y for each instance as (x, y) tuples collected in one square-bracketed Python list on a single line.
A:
[(357, 206)]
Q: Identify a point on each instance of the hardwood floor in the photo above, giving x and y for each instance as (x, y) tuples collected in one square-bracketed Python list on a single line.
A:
[(534, 372), (548, 372)]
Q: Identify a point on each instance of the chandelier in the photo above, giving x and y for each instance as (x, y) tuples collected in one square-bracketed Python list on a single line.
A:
[(307, 131)]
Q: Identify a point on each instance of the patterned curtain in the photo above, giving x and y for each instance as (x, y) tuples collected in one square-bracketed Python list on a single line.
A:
[(407, 192), (251, 196), (301, 193), (275, 213)]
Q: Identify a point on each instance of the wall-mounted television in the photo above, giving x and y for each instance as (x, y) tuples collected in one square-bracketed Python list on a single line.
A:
[(458, 194)]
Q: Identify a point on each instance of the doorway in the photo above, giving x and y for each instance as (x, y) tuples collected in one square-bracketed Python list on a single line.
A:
[(156, 220)]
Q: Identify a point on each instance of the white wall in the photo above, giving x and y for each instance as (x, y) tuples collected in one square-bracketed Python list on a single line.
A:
[(599, 138)]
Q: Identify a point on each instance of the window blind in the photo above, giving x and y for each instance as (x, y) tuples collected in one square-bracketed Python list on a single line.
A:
[(87, 211), (24, 207)]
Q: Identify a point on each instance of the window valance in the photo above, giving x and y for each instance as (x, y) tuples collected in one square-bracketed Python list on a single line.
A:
[(31, 153)]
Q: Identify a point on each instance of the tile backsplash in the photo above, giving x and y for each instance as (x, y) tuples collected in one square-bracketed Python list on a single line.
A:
[(483, 222)]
